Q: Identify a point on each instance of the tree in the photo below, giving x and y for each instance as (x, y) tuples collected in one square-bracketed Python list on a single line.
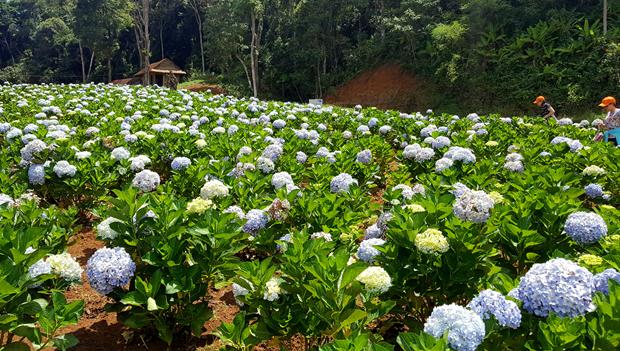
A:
[(197, 7), (97, 26), (141, 18), (256, 11)]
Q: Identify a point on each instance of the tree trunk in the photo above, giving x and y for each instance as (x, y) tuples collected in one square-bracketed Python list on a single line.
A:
[(253, 55), (195, 5), (161, 38), (202, 50), (82, 62), (138, 44), (245, 68), (146, 7), (90, 65), (8, 48), (317, 91), (109, 64), (256, 26), (141, 30)]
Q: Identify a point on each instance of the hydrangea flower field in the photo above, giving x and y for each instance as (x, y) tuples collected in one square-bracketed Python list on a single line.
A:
[(351, 228)]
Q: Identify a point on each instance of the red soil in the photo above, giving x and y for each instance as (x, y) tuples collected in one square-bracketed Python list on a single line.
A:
[(385, 87), (100, 330), (215, 89)]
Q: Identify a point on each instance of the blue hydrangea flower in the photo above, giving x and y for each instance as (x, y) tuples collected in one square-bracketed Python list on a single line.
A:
[(255, 221), (465, 328), (384, 130), (442, 164), (281, 180), (36, 174), (279, 124), (180, 163), (32, 149), (341, 183), (406, 191), (428, 130), (362, 129), (459, 189), (120, 153), (514, 166), (364, 156), (457, 153), (301, 157), (593, 191), (491, 303), (273, 152), (64, 169), (474, 206), (39, 268), (418, 153), (601, 280), (559, 286), (367, 251), (585, 227), (440, 142), (146, 180), (109, 268), (236, 210), (373, 232), (559, 140)]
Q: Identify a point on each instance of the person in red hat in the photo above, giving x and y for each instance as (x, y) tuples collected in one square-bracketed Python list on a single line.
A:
[(612, 121), (546, 110)]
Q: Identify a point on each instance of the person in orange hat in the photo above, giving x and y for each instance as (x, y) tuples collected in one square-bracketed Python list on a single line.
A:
[(612, 121), (546, 110)]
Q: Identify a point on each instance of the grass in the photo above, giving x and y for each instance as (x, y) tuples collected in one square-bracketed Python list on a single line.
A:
[(190, 82)]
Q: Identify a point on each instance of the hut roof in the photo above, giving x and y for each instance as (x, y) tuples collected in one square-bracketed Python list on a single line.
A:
[(163, 66)]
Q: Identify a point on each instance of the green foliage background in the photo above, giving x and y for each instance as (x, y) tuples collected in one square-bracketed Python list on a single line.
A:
[(482, 55)]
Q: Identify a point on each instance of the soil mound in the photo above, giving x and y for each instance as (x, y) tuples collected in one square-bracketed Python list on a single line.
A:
[(215, 89), (389, 86)]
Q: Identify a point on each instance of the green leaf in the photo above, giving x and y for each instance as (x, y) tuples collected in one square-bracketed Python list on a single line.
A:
[(30, 331), (135, 320), (352, 317), (32, 307), (7, 318), (6, 288), (133, 298), (16, 346), (151, 304)]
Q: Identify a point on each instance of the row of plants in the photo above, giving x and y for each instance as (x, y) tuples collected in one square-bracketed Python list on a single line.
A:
[(354, 228)]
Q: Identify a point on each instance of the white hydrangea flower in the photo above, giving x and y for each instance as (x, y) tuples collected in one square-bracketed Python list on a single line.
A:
[(375, 280), (104, 231), (213, 188), (65, 266), (273, 289)]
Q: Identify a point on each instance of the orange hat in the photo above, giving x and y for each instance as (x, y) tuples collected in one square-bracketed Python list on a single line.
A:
[(609, 100), (539, 99)]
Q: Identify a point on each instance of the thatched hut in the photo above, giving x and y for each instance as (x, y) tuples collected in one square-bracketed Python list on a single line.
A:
[(163, 73)]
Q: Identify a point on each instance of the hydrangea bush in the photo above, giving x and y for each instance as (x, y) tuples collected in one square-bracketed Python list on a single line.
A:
[(332, 223)]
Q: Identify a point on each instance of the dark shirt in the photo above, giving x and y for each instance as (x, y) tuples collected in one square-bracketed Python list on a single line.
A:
[(544, 109)]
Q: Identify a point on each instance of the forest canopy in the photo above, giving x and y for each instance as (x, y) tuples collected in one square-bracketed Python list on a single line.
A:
[(484, 55)]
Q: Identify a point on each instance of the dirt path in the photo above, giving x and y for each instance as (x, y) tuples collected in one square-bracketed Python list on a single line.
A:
[(99, 330)]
